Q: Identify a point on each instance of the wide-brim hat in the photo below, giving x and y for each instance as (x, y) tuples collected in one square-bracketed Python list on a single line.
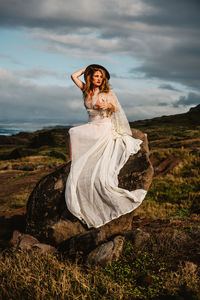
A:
[(91, 67)]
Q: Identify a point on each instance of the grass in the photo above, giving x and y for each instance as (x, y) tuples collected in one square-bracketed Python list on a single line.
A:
[(137, 275), (51, 277), (177, 191), (184, 281), (20, 199)]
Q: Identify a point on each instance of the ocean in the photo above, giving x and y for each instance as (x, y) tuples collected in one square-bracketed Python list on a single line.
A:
[(11, 129)]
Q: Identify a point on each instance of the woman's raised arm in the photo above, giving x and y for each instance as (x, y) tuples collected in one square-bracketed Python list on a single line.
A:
[(76, 80)]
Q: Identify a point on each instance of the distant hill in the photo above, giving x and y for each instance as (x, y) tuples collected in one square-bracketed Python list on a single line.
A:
[(190, 119), (196, 108), (57, 136)]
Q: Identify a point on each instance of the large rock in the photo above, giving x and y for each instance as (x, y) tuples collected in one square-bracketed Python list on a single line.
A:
[(107, 252), (49, 220), (28, 242)]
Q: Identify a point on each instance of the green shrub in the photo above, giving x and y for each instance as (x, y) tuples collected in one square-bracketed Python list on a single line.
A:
[(139, 274), (56, 154)]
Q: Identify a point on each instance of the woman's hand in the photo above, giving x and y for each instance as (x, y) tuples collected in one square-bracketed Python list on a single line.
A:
[(101, 105)]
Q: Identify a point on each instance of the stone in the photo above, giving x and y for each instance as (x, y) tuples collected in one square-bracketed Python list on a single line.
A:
[(140, 238), (118, 247), (63, 230), (107, 252), (26, 241), (83, 243), (89, 239), (43, 248), (49, 220), (15, 238), (137, 236), (27, 168), (39, 167), (102, 255), (58, 185)]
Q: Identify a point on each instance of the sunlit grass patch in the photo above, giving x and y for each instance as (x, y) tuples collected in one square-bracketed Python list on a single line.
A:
[(20, 200), (173, 189), (57, 154), (139, 274), (156, 210), (24, 275), (180, 188)]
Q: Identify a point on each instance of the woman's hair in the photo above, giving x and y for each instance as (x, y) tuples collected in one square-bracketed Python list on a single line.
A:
[(88, 86)]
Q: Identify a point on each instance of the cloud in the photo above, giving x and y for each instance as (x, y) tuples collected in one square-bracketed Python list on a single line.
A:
[(163, 104), (182, 13), (68, 15), (161, 37), (168, 87), (26, 101), (87, 45), (190, 99), (176, 64), (10, 58), (36, 73), (166, 44)]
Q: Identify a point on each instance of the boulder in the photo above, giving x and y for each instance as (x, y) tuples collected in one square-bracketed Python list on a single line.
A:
[(25, 241), (15, 238), (28, 242), (49, 220), (107, 252), (141, 238), (43, 248)]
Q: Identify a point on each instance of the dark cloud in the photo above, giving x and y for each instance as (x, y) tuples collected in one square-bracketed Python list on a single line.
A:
[(171, 67), (163, 104), (74, 14), (177, 13), (168, 87), (190, 99), (63, 16), (162, 35)]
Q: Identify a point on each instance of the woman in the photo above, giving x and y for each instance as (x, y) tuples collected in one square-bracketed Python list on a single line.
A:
[(99, 150)]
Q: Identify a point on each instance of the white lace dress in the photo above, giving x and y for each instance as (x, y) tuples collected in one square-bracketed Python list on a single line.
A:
[(98, 154)]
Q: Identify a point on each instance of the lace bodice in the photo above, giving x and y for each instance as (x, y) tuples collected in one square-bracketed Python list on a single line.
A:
[(118, 117), (99, 97)]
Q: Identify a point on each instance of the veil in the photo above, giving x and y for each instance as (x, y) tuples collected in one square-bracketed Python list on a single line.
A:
[(119, 119)]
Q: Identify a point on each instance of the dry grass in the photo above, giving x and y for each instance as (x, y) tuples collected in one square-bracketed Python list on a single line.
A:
[(25, 275), (185, 281), (20, 199), (156, 210), (139, 274)]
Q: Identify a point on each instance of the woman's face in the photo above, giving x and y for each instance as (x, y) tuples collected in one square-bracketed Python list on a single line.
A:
[(97, 79)]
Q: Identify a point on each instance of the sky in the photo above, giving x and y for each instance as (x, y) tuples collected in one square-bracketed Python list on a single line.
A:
[(150, 47)]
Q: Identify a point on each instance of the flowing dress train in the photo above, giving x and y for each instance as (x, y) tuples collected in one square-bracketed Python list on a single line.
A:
[(98, 154)]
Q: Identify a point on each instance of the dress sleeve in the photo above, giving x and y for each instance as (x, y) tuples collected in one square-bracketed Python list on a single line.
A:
[(111, 99), (118, 117)]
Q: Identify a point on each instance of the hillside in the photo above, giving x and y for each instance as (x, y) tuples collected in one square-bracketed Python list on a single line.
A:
[(167, 267)]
